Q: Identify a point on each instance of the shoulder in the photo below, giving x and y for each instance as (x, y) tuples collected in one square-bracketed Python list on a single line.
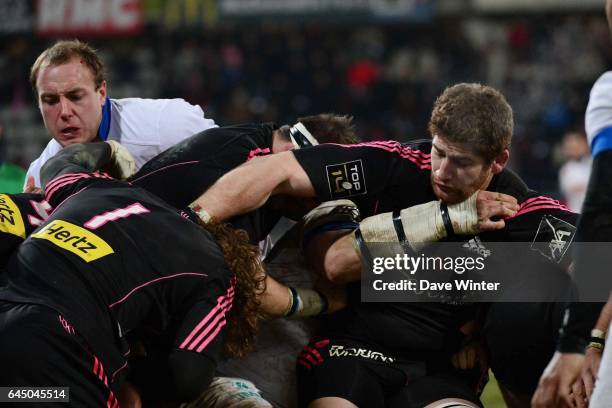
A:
[(52, 148), (599, 110)]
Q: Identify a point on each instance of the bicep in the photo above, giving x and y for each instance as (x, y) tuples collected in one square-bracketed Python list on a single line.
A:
[(295, 182)]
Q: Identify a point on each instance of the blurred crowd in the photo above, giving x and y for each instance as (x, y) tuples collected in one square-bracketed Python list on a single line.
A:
[(386, 76)]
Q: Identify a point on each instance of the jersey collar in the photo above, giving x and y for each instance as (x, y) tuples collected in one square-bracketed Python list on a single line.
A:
[(104, 128)]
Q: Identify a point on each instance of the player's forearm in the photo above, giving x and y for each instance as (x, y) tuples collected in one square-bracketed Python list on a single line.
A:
[(575, 334), (604, 317), (333, 256), (275, 299), (249, 186), (76, 158)]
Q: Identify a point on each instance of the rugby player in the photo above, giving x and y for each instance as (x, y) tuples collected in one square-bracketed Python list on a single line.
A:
[(471, 127), (571, 375), (181, 173), (110, 259), (69, 83)]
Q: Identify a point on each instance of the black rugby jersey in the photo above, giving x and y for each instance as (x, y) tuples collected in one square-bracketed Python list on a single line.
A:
[(182, 173), (385, 176), (20, 214), (113, 258)]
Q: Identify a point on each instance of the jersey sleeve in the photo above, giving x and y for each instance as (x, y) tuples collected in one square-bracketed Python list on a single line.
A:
[(65, 185), (202, 329), (53, 147), (598, 116), (179, 120), (356, 171)]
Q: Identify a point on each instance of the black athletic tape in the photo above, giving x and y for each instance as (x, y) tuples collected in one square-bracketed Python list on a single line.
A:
[(295, 303), (448, 225), (399, 227), (363, 247)]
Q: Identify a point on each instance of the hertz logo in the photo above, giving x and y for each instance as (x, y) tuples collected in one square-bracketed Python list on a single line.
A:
[(84, 244), (10, 217)]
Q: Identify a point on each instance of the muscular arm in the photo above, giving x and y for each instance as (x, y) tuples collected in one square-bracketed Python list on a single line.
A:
[(249, 186), (595, 225), (76, 158), (333, 255)]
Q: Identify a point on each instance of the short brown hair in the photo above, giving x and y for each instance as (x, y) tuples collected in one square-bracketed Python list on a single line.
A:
[(474, 114), (330, 128), (62, 52)]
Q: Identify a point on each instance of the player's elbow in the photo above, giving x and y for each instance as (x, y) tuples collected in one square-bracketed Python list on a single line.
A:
[(192, 373), (341, 267)]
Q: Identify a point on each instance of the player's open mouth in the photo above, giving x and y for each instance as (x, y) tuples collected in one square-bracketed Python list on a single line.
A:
[(69, 131)]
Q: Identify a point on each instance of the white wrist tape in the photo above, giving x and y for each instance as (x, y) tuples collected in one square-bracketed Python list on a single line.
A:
[(305, 303), (201, 213), (422, 224)]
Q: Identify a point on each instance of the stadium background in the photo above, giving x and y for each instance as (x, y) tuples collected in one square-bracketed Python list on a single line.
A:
[(274, 60)]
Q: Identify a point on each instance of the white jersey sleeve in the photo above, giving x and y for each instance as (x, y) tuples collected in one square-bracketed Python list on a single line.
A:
[(598, 117), (146, 127), (180, 119), (34, 170)]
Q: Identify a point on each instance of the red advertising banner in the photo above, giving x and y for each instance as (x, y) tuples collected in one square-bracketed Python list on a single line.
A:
[(88, 17)]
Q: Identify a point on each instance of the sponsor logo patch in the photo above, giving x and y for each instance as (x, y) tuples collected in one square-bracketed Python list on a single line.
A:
[(11, 221), (84, 244), (346, 179), (475, 245), (342, 351), (553, 238)]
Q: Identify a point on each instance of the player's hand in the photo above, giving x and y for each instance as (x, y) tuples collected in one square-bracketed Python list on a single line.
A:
[(492, 208), (122, 164), (592, 359), (30, 187), (555, 387)]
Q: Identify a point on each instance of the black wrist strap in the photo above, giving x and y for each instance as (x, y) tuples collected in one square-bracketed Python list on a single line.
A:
[(399, 227), (448, 225), (363, 248)]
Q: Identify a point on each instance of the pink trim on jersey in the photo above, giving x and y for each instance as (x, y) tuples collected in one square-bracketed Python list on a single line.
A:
[(542, 207), (113, 215), (541, 200), (314, 352), (165, 168), (131, 292), (421, 159), (322, 343), (212, 336), (540, 203), (66, 199), (70, 178), (533, 200), (216, 312), (224, 304), (62, 181), (258, 152), (304, 363), (98, 371), (309, 358), (214, 320), (119, 369)]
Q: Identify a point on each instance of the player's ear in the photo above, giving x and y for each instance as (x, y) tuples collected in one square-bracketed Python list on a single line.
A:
[(500, 161)]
